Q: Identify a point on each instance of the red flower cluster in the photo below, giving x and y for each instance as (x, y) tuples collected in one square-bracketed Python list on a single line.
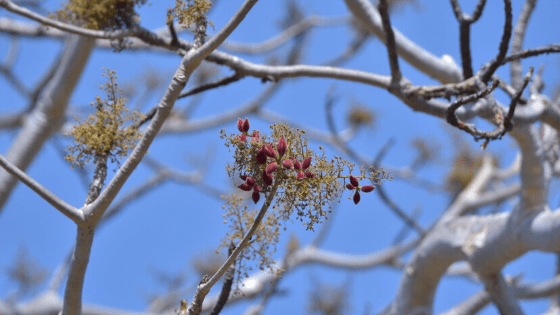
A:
[(268, 151), (355, 184), (250, 185)]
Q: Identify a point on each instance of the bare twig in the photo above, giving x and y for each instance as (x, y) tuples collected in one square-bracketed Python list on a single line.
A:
[(390, 43), (211, 85), (296, 29), (465, 22), (393, 206), (517, 42), (504, 44)]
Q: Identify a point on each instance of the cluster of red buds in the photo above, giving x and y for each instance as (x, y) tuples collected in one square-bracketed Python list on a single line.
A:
[(250, 185), (276, 154), (355, 185)]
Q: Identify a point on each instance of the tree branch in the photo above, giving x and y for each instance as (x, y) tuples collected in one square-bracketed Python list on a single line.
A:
[(69, 211)]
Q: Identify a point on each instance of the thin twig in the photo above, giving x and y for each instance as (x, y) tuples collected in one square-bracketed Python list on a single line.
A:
[(465, 22), (504, 44), (393, 206), (213, 84), (390, 43), (517, 42)]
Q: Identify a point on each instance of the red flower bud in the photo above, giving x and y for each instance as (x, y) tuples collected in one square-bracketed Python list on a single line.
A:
[(297, 165), (306, 163), (256, 196), (367, 189), (300, 175), (356, 197), (282, 146), (245, 187), (308, 174), (240, 125), (243, 177), (257, 188), (271, 167), (287, 164), (354, 181), (269, 151), (245, 125), (350, 187), (267, 178), (250, 181), (261, 156)]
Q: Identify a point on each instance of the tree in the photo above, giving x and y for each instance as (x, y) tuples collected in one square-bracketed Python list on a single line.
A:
[(474, 164)]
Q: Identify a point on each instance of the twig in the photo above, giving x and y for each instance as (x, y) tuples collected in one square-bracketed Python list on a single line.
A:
[(213, 84), (504, 43), (465, 22), (517, 42), (507, 122), (554, 48), (390, 43), (393, 206)]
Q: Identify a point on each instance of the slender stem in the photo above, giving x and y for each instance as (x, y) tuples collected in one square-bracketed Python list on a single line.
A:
[(390, 43), (196, 306)]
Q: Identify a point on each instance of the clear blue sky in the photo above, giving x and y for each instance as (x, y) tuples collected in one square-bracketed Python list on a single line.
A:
[(169, 226)]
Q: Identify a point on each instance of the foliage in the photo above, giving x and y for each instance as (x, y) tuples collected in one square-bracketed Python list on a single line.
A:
[(104, 134), (100, 14)]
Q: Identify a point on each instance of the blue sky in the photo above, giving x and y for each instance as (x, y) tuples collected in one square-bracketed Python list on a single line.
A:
[(166, 228)]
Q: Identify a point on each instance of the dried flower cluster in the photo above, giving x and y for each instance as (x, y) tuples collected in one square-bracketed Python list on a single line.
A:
[(100, 14), (188, 12), (106, 133)]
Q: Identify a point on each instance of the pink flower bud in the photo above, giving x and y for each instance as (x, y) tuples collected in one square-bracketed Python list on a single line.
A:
[(287, 164), (297, 165), (354, 181), (256, 196), (240, 125), (250, 181), (261, 156), (306, 163), (282, 146), (269, 151), (271, 167), (308, 174), (245, 187), (367, 189), (356, 197), (245, 125), (267, 178), (350, 187), (300, 175)]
